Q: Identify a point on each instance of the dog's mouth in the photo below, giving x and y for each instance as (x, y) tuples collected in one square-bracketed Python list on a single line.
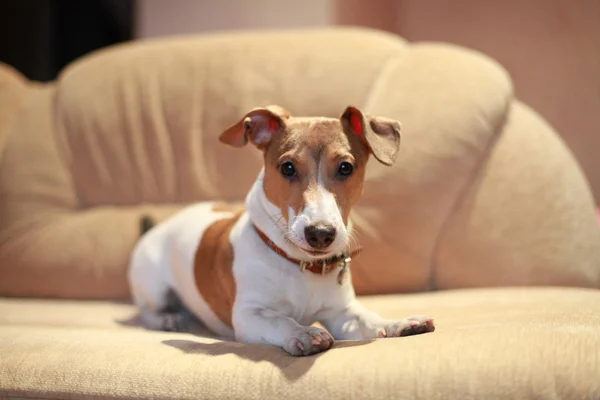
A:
[(318, 254), (312, 253), (335, 248)]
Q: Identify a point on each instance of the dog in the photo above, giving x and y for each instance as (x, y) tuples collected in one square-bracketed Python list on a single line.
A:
[(267, 271)]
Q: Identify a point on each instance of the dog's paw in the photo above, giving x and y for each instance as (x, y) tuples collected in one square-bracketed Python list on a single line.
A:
[(408, 327), (307, 341)]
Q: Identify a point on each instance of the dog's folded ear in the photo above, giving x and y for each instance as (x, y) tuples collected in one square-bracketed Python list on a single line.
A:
[(380, 135), (258, 126)]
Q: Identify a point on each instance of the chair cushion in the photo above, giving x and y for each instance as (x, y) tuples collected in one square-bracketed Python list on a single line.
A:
[(504, 343)]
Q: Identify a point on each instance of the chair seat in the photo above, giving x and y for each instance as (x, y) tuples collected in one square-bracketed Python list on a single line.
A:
[(489, 343)]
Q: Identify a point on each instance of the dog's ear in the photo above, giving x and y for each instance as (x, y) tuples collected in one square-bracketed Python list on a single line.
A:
[(380, 135), (258, 126)]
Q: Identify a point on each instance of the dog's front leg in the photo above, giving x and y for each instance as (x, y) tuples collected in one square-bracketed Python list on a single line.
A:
[(260, 325), (355, 322)]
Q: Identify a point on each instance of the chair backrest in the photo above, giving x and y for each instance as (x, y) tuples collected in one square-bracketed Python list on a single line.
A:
[(483, 193)]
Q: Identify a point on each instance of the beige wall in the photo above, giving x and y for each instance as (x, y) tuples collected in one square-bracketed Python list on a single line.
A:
[(550, 47), (164, 17)]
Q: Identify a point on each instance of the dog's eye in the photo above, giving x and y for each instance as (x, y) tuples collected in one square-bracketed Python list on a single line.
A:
[(287, 169), (345, 169)]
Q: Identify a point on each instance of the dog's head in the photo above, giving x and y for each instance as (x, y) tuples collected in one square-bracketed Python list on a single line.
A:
[(314, 169)]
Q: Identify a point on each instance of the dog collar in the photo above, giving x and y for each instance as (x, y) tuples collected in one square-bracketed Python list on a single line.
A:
[(320, 267)]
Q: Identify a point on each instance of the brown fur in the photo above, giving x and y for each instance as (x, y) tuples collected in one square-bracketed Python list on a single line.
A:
[(316, 148), (213, 268)]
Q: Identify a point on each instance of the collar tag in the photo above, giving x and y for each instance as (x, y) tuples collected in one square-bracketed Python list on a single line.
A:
[(345, 266), (324, 267)]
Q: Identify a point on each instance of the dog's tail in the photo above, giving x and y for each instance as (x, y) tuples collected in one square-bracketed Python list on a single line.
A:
[(146, 223)]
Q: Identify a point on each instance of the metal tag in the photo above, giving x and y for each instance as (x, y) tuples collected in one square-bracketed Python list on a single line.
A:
[(345, 266), (324, 267)]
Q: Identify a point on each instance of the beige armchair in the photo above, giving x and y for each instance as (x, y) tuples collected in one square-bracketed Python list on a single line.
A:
[(485, 223)]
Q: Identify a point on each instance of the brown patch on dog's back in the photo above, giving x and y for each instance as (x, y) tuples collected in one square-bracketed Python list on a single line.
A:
[(213, 267)]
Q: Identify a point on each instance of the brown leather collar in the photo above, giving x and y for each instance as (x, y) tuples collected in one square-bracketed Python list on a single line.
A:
[(320, 267)]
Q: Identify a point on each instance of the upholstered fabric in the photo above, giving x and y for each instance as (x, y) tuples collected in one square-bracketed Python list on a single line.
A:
[(483, 192), (12, 95), (489, 343), (504, 228)]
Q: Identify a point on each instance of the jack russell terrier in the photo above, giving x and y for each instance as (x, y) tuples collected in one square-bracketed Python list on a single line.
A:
[(265, 273)]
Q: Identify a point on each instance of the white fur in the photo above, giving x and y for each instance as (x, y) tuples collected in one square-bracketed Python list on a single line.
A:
[(322, 209), (163, 259), (275, 302)]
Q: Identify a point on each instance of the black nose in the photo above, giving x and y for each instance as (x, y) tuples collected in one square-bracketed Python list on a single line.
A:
[(319, 236)]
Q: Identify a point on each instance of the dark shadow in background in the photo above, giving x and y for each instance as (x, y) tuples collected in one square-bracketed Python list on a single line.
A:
[(39, 37)]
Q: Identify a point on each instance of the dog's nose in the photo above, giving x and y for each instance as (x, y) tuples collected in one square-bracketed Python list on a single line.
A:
[(319, 236)]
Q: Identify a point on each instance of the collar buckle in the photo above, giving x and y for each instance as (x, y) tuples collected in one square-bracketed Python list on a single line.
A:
[(304, 265), (324, 267)]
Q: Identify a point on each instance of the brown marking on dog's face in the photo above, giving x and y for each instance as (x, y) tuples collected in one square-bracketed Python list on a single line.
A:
[(314, 168), (316, 148)]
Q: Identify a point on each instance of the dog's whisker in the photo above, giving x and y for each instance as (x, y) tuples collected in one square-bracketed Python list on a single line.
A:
[(279, 220), (352, 240)]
